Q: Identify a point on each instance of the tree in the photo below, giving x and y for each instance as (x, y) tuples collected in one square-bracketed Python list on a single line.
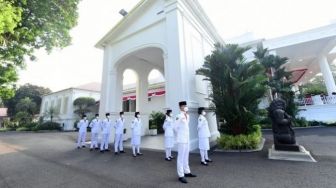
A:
[(26, 105), (237, 87), (278, 78), (30, 25), (83, 104), (33, 92), (51, 113)]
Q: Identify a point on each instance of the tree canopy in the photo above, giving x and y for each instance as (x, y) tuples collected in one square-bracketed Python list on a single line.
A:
[(30, 91), (29, 25), (83, 105)]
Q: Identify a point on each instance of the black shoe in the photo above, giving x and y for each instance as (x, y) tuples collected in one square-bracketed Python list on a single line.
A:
[(91, 149), (96, 148), (116, 153), (83, 146), (183, 180), (139, 154), (134, 155), (168, 159), (190, 175), (101, 151), (208, 160), (122, 151), (107, 150), (204, 163), (78, 147)]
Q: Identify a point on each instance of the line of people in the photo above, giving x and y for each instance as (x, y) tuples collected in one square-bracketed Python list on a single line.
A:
[(178, 128)]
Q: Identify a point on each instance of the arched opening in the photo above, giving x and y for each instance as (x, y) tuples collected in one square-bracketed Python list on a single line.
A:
[(130, 78), (156, 98)]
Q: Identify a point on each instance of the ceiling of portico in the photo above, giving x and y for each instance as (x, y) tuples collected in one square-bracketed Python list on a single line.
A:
[(151, 56)]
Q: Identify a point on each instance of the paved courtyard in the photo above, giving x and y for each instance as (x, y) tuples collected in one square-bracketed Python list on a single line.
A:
[(41, 160)]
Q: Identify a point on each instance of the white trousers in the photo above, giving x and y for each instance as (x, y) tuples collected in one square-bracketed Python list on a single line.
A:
[(204, 155), (94, 139), (183, 159), (118, 142), (168, 152), (104, 142), (81, 139), (137, 147)]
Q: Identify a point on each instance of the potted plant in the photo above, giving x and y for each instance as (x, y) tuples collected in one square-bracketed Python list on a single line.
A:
[(156, 120)]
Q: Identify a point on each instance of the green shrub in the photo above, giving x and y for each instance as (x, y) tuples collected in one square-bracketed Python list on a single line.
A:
[(241, 142), (300, 122), (4, 129), (156, 121), (23, 129), (48, 126)]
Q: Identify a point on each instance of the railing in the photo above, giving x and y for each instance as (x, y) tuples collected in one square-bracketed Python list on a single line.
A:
[(316, 100)]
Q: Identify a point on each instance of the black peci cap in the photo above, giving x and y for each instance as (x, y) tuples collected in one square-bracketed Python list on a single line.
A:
[(97, 115), (182, 103), (136, 113), (107, 114), (121, 113), (83, 116), (200, 110), (168, 111)]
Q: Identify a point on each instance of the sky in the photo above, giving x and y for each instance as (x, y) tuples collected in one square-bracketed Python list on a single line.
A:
[(81, 62)]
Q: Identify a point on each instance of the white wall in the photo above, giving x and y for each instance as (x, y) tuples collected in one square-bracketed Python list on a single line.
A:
[(66, 116), (325, 113)]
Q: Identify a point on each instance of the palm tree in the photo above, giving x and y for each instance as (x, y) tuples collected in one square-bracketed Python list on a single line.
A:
[(237, 87), (52, 112), (278, 78)]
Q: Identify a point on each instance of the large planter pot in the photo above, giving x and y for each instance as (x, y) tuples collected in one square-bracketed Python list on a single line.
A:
[(153, 132), (317, 100)]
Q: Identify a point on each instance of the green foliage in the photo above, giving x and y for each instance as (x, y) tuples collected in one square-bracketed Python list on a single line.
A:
[(83, 105), (156, 121), (23, 118), (48, 126), (23, 129), (300, 122), (51, 113), (26, 25), (315, 87), (278, 78), (33, 92), (241, 141), (237, 87)]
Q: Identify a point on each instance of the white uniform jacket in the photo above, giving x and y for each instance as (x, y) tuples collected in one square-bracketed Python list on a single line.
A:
[(168, 127), (203, 128), (82, 125), (95, 125), (106, 126), (136, 127), (182, 128), (119, 126)]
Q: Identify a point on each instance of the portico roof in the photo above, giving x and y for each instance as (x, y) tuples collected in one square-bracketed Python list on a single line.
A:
[(304, 49)]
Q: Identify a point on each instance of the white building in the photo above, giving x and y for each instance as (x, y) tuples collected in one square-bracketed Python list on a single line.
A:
[(62, 102), (309, 53), (172, 36)]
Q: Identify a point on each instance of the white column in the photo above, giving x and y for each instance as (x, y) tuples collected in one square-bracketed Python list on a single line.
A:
[(142, 93), (327, 75)]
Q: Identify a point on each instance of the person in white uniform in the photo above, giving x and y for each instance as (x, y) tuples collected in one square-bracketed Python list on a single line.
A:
[(82, 126), (136, 134), (182, 134), (106, 126), (168, 135), (119, 131), (95, 127), (203, 136)]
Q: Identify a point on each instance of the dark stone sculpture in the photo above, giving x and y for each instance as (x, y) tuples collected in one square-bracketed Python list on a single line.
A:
[(283, 134)]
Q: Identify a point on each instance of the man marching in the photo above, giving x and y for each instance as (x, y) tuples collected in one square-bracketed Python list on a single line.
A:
[(136, 134), (203, 136), (169, 135), (182, 131), (119, 131), (82, 126), (95, 126), (106, 128)]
